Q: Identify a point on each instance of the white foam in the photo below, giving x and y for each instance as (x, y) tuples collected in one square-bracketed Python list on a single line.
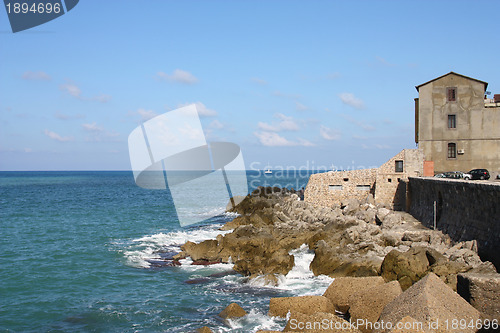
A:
[(256, 320), (146, 248)]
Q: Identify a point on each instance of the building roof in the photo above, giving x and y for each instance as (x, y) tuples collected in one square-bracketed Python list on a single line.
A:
[(470, 78)]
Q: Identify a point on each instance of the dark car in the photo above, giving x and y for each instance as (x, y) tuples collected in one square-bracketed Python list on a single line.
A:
[(479, 174)]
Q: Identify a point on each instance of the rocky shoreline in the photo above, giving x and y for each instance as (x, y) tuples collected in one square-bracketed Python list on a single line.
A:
[(388, 255)]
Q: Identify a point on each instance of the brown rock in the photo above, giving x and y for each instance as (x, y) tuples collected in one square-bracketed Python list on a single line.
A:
[(408, 325), (342, 288), (367, 305), (482, 291), (280, 306), (204, 329), (430, 301), (406, 267), (233, 310), (318, 322), (205, 251)]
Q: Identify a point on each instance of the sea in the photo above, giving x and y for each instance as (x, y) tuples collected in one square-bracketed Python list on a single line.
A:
[(86, 252)]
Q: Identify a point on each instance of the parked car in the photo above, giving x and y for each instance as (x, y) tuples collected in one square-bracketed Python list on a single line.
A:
[(454, 175), (479, 174)]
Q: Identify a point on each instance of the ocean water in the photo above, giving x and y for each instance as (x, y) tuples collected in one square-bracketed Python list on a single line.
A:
[(82, 252)]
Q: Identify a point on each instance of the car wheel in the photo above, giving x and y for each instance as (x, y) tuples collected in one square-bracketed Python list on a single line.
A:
[(482, 177)]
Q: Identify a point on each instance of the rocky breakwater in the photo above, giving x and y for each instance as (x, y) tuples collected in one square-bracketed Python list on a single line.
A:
[(356, 239)]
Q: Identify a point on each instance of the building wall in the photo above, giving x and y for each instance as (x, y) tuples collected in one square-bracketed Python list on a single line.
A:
[(477, 130), (385, 184), (389, 189), (323, 189), (464, 210)]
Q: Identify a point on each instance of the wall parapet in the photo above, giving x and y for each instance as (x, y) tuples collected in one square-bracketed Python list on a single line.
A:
[(465, 210)]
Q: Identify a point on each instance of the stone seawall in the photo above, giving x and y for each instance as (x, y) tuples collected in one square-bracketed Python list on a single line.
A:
[(465, 210)]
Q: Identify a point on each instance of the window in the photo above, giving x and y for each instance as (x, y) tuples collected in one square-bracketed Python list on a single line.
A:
[(335, 187), (363, 187), (399, 166), (451, 94), (346, 179), (452, 121), (389, 180), (452, 150)]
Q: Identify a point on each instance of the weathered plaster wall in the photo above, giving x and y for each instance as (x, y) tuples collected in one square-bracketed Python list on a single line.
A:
[(477, 130), (466, 210)]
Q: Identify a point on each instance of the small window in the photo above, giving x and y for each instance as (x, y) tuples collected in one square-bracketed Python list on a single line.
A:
[(389, 180), (451, 94), (452, 121), (399, 166), (346, 179), (363, 187), (452, 150), (335, 187)]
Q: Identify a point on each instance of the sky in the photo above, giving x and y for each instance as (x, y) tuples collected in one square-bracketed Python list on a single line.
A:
[(304, 84)]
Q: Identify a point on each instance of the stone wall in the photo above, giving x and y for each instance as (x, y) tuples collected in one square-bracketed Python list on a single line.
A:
[(465, 210), (329, 189)]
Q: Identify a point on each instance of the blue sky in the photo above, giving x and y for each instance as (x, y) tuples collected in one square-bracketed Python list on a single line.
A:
[(294, 83)]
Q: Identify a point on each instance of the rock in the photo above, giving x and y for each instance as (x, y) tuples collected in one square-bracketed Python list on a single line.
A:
[(318, 322), (342, 288), (367, 215), (206, 250), (367, 305), (233, 310), (406, 267), (350, 206), (266, 331), (431, 302), (416, 236), (204, 329), (280, 306), (381, 214), (482, 291), (391, 220), (408, 325)]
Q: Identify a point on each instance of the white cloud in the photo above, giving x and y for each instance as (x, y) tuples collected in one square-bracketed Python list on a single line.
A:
[(71, 89), (146, 114), (273, 139), (284, 124), (379, 146), (350, 99), (92, 128), (179, 76), (216, 124), (384, 62), (75, 91), (192, 133), (57, 137), (300, 107), (259, 81), (203, 111), (36, 76), (328, 133)]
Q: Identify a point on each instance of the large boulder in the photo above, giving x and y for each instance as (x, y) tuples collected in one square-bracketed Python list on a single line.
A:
[(206, 251), (280, 306), (367, 305), (342, 288), (431, 302), (318, 322), (482, 291), (204, 329), (350, 206), (233, 310)]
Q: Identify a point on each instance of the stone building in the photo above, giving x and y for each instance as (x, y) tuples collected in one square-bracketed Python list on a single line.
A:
[(456, 126), (386, 184)]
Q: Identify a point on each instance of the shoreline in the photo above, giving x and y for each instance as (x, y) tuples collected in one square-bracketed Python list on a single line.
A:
[(358, 241)]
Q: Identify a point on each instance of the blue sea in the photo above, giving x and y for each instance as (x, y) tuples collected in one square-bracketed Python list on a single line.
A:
[(83, 252)]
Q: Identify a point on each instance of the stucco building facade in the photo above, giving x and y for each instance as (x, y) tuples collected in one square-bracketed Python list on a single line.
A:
[(456, 126)]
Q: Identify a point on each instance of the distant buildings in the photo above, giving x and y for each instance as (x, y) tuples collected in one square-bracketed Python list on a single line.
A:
[(456, 126)]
